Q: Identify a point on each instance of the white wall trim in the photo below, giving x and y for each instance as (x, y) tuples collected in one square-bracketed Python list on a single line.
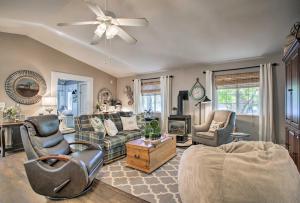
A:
[(55, 76)]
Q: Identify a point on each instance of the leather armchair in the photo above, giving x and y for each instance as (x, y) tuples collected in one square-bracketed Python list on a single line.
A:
[(53, 169), (221, 136)]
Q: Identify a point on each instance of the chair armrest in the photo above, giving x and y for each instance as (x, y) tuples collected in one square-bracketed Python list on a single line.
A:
[(201, 128), (223, 135), (88, 144), (54, 156)]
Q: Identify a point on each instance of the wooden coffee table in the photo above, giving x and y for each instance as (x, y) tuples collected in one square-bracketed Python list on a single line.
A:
[(148, 157)]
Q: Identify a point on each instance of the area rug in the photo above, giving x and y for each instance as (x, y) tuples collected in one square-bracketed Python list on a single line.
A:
[(159, 186)]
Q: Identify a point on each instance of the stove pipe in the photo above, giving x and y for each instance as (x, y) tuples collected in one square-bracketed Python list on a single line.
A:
[(182, 95)]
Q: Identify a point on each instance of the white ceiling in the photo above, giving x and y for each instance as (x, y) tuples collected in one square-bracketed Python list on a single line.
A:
[(180, 33)]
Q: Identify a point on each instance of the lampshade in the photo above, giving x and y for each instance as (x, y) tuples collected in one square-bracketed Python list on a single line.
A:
[(100, 29), (111, 31), (49, 101)]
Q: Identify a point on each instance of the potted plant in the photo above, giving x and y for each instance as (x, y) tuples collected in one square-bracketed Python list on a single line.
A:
[(155, 130), (10, 113), (147, 131), (152, 132)]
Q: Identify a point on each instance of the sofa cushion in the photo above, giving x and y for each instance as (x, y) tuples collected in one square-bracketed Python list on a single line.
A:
[(98, 125), (131, 135), (114, 141), (129, 123), (83, 123), (110, 127), (115, 117), (91, 158)]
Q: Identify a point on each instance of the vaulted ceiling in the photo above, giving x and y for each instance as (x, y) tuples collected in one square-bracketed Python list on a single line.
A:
[(180, 33)]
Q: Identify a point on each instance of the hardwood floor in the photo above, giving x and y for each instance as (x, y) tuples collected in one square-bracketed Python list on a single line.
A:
[(14, 186)]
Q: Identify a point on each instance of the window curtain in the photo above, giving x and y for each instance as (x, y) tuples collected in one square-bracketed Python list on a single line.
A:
[(137, 96), (209, 92), (166, 94), (266, 121)]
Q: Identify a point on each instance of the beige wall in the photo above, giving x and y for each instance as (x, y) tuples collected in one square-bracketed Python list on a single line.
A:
[(19, 52), (185, 77)]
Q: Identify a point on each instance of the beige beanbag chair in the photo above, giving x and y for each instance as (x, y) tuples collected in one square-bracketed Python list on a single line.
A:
[(238, 172)]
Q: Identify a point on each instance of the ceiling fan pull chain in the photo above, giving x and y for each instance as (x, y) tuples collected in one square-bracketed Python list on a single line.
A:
[(110, 50), (105, 56)]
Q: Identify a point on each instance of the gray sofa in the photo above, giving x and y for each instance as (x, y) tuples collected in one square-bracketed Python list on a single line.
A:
[(201, 135)]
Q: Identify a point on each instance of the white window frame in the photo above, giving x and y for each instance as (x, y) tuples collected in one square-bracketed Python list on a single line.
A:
[(237, 99), (155, 101)]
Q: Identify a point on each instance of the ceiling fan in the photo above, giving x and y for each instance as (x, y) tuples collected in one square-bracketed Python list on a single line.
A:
[(108, 24)]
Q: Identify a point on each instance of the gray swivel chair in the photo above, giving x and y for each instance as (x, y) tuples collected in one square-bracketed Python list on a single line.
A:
[(221, 136), (53, 169)]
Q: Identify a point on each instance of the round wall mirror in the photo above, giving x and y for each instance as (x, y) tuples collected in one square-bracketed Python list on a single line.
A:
[(25, 87)]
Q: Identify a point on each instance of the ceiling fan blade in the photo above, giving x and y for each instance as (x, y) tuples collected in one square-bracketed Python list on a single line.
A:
[(125, 36), (130, 21), (95, 39), (95, 8), (79, 23)]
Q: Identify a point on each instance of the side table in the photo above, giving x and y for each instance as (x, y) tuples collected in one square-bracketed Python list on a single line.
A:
[(237, 136), (7, 125)]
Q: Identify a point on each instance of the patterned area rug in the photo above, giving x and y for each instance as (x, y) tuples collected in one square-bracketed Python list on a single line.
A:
[(159, 186)]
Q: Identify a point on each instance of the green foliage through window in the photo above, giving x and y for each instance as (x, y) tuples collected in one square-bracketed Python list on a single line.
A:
[(243, 100)]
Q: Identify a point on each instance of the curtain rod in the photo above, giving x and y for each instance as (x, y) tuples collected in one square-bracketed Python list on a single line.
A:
[(171, 76), (249, 67)]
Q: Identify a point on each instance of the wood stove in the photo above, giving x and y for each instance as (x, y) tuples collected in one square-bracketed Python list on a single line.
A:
[(180, 124)]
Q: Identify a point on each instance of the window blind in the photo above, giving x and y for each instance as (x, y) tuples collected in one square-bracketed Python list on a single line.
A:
[(151, 87), (238, 79)]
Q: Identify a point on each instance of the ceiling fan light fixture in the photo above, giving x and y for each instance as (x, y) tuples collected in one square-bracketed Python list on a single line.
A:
[(100, 29), (111, 31)]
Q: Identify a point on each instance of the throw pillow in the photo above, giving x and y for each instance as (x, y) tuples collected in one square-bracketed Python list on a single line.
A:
[(98, 125), (110, 127), (215, 126), (129, 123)]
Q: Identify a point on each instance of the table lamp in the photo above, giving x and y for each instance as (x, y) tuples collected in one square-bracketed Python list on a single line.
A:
[(49, 103)]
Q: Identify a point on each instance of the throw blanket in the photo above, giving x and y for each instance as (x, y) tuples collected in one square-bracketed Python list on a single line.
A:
[(238, 172)]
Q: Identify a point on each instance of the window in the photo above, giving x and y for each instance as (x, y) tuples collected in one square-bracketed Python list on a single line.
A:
[(151, 95), (238, 92)]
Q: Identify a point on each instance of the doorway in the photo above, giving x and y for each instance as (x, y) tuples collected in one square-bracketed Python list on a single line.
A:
[(71, 100), (74, 95)]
